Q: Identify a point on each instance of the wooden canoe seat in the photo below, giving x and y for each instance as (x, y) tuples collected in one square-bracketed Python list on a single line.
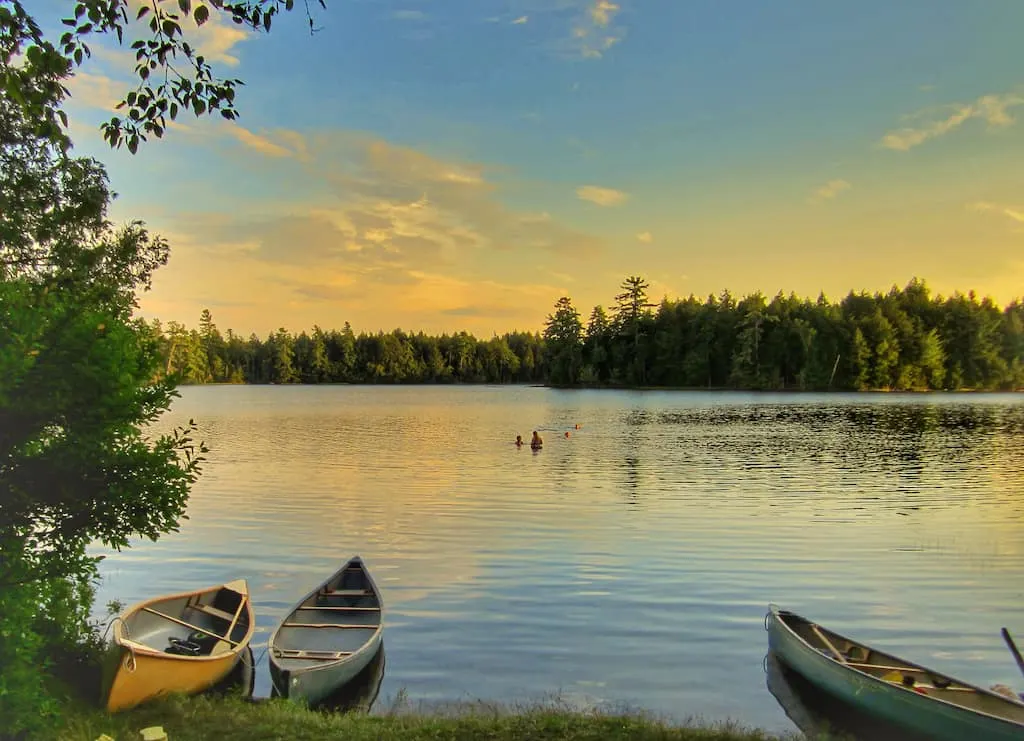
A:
[(316, 655), (209, 610), (326, 625), (342, 608)]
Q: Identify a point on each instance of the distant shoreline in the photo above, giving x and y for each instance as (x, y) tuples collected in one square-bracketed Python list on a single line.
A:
[(606, 387)]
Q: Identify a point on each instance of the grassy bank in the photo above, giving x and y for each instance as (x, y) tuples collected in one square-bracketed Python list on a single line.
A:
[(234, 719)]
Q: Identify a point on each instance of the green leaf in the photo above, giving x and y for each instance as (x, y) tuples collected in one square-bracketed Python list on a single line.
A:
[(185, 6), (142, 11), (201, 14)]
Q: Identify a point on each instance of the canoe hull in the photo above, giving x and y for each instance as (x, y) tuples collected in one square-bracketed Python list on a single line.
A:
[(898, 706), (158, 674), (313, 686)]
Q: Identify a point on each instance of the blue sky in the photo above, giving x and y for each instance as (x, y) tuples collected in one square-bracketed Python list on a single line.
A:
[(460, 165)]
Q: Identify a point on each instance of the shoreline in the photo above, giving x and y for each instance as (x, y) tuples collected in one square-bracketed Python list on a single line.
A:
[(605, 387), (235, 717)]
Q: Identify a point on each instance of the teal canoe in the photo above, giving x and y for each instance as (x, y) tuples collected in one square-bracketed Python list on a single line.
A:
[(905, 694)]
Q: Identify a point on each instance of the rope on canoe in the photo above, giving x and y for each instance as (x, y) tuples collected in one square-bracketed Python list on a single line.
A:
[(130, 664)]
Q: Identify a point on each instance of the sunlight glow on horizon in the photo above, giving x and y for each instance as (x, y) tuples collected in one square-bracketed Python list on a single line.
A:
[(461, 167)]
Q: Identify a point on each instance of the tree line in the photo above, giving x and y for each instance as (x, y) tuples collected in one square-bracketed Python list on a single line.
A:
[(905, 339)]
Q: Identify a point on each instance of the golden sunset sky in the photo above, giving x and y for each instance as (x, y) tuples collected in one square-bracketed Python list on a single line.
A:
[(460, 164)]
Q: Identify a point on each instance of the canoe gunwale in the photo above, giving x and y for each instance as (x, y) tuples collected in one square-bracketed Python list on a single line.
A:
[(776, 614)]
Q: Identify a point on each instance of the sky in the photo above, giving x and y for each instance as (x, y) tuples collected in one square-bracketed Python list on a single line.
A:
[(446, 165)]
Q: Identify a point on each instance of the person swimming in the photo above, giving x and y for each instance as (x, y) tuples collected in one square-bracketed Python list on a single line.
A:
[(536, 442), (519, 441)]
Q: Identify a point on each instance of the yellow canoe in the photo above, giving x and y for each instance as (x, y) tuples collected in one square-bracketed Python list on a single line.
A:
[(183, 642)]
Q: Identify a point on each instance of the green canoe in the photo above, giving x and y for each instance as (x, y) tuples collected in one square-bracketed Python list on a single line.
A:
[(885, 686)]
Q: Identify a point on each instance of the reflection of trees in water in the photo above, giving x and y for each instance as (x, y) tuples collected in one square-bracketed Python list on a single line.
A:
[(820, 715), (635, 420), (902, 451)]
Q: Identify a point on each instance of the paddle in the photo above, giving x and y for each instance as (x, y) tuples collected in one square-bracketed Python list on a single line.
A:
[(1013, 650)]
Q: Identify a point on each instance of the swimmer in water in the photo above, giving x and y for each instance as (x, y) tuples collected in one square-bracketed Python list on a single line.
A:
[(519, 441), (536, 443)]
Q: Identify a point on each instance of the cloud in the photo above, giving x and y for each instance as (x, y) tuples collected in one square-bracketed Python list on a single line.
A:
[(829, 190), (645, 237), (96, 91), (993, 109), (215, 39), (601, 196), (261, 144), (520, 20), (1013, 213), (385, 207), (592, 34), (602, 12)]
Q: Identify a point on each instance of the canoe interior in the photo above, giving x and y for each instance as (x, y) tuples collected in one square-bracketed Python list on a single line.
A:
[(214, 611), (900, 672), (331, 624)]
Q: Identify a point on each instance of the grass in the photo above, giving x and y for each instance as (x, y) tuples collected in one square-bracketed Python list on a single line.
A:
[(235, 719)]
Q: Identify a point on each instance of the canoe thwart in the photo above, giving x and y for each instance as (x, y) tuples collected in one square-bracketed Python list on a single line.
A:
[(328, 625)]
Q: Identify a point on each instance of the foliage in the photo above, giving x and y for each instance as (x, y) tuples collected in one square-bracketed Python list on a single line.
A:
[(172, 74), (79, 382), (904, 339), (320, 356), (563, 336), (234, 719)]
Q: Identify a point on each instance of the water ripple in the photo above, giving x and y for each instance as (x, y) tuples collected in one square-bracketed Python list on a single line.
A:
[(631, 563)]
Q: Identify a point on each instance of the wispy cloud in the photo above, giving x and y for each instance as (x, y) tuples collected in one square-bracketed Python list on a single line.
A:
[(395, 208), (260, 143), (96, 91), (645, 237), (593, 32), (1015, 214), (829, 191), (601, 196), (215, 39), (993, 109), (520, 20)]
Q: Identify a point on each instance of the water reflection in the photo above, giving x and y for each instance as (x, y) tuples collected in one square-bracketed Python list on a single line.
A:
[(820, 715), (632, 561), (360, 693)]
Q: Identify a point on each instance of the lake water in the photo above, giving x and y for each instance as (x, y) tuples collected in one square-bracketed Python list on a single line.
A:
[(628, 565)]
